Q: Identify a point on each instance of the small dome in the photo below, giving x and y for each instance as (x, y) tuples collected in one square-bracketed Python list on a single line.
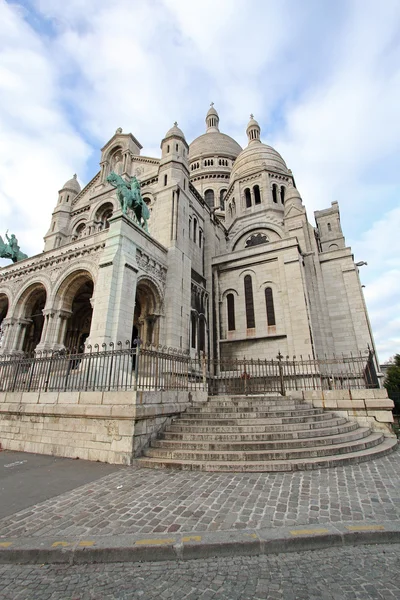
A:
[(258, 157), (211, 111), (175, 132), (72, 184), (292, 194)]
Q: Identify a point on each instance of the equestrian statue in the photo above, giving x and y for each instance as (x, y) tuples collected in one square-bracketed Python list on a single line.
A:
[(129, 196), (11, 249)]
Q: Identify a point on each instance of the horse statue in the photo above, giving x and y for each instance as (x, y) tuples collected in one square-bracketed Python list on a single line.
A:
[(12, 249), (129, 196)]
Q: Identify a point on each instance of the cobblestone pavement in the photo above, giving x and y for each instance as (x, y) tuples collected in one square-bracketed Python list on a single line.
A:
[(363, 572), (136, 501)]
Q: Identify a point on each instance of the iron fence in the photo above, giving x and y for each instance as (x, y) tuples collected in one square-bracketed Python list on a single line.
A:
[(147, 367)]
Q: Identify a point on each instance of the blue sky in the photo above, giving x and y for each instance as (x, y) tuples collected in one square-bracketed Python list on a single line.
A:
[(321, 77)]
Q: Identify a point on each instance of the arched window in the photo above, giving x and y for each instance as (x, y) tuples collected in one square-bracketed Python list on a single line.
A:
[(230, 305), (329, 227), (257, 195), (209, 198), (249, 302), (190, 228), (222, 199), (167, 148), (165, 179), (247, 196), (177, 147), (193, 329), (80, 230), (283, 194), (202, 333), (195, 230), (274, 193), (200, 237), (269, 303)]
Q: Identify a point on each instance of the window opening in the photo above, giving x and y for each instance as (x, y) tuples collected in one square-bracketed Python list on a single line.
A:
[(269, 302), (249, 303), (230, 303)]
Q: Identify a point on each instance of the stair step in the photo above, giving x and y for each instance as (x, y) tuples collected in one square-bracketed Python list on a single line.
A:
[(178, 427), (254, 414), (253, 446), (254, 408), (259, 420), (387, 446), (266, 455), (263, 436)]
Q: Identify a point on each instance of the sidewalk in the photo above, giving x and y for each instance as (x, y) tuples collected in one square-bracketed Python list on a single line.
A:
[(143, 514)]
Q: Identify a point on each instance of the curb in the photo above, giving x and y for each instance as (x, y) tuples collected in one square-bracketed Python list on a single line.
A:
[(247, 542)]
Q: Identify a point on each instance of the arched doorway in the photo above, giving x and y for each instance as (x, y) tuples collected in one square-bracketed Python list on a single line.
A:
[(31, 318), (147, 313), (75, 309), (3, 313)]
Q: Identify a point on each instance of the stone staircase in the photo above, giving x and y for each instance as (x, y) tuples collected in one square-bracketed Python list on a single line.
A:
[(262, 433)]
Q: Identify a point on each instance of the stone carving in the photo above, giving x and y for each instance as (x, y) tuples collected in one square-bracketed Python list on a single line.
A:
[(11, 250), (129, 196), (148, 264), (256, 239)]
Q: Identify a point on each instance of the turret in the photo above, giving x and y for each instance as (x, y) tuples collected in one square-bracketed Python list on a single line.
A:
[(57, 234), (329, 228), (174, 165)]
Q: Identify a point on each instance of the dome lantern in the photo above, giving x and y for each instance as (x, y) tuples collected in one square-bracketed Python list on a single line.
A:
[(253, 130), (212, 119)]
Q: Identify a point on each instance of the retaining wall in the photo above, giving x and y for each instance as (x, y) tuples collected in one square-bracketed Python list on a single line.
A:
[(109, 427), (367, 406)]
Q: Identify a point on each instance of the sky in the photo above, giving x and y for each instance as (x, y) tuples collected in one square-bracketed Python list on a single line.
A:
[(322, 78)]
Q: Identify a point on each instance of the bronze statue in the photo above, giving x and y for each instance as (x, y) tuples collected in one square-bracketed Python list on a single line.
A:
[(11, 250), (129, 196)]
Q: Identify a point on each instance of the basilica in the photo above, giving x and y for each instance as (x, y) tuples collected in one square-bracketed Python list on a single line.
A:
[(227, 264)]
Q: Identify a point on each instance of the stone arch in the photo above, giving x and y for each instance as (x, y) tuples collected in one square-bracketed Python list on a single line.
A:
[(4, 306), (103, 214), (148, 309), (239, 239), (29, 312), (73, 310)]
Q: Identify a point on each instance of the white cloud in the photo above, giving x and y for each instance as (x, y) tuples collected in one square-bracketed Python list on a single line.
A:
[(38, 146)]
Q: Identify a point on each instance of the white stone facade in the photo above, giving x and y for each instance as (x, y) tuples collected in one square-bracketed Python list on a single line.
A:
[(231, 266)]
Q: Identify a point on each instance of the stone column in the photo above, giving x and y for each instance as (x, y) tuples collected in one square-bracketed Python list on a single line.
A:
[(19, 335), (115, 293), (9, 328)]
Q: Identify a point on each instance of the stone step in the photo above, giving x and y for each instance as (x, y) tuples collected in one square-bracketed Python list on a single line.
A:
[(372, 439), (178, 427), (259, 421), (261, 414), (256, 402), (300, 464), (255, 445), (250, 435), (253, 408)]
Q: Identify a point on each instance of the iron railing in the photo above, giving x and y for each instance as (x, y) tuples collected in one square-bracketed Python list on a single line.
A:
[(148, 367)]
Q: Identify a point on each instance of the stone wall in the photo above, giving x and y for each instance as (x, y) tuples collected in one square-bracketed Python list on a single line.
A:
[(109, 427), (368, 407)]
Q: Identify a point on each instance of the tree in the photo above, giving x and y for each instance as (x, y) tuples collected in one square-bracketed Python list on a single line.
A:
[(392, 382)]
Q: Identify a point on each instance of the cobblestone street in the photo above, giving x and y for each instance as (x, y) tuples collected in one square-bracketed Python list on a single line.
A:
[(364, 573), (148, 501)]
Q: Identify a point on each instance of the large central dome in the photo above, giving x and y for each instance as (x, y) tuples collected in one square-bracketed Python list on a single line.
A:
[(213, 141)]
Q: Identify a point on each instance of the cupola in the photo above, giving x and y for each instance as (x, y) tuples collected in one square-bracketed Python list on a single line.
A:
[(253, 130), (212, 119)]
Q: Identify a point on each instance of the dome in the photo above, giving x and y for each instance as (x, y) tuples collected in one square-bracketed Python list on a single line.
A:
[(214, 142), (258, 157), (175, 132), (72, 184)]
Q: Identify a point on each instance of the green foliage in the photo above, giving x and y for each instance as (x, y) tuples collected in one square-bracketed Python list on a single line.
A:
[(392, 379)]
